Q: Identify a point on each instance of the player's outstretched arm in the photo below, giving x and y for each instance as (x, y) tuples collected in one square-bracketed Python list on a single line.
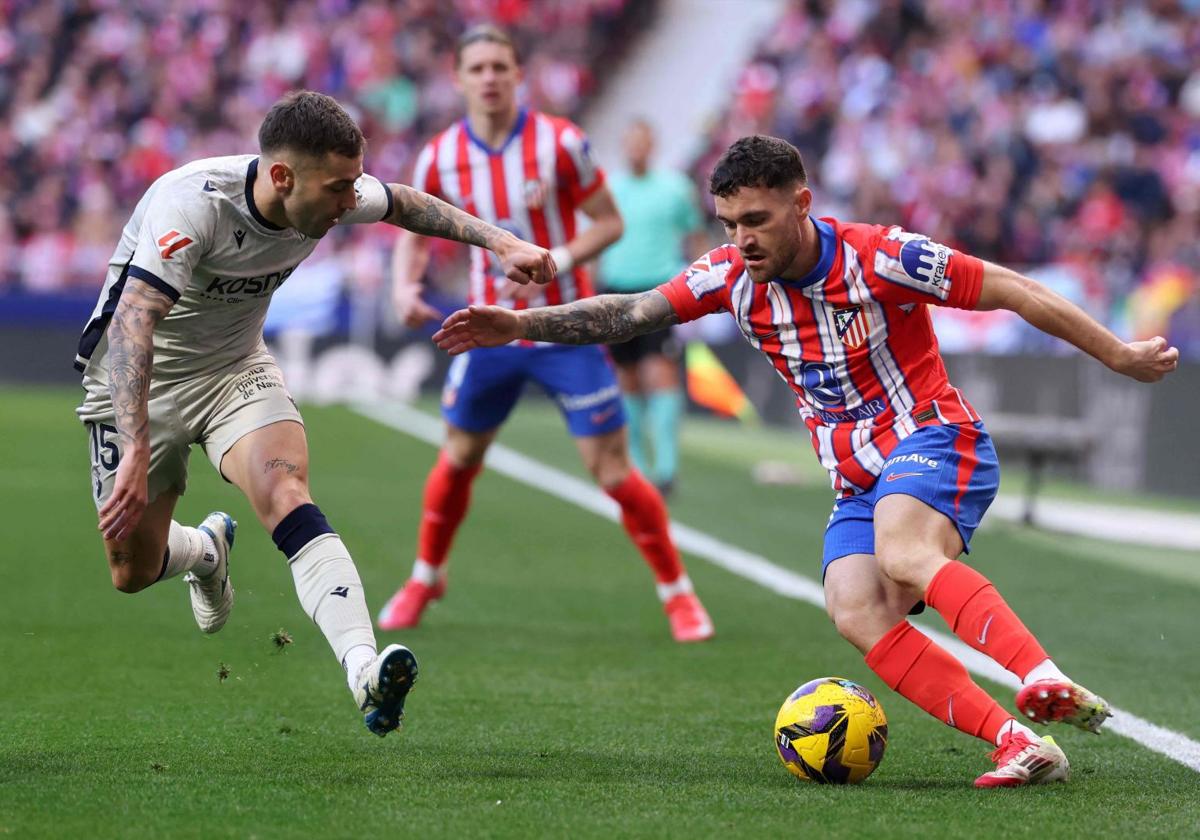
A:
[(130, 360), (422, 213), (592, 320), (1050, 312)]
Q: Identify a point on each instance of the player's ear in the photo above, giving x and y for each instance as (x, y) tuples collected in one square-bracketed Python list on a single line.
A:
[(283, 177), (803, 199)]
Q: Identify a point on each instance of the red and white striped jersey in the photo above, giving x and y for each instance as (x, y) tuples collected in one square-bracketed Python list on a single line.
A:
[(531, 186), (853, 339)]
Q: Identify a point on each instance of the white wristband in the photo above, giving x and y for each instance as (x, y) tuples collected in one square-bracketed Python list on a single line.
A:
[(563, 261)]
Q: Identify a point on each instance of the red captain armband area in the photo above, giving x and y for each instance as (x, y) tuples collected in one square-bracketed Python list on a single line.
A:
[(968, 277), (911, 268)]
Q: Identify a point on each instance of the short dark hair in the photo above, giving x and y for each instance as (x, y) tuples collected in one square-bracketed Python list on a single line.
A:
[(310, 123), (488, 32), (757, 161)]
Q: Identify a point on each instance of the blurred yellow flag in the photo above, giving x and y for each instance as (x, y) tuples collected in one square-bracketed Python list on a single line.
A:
[(710, 385)]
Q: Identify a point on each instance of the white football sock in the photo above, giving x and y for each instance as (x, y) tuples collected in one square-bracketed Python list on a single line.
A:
[(1012, 728), (426, 572), (331, 592), (1044, 670), (188, 549), (355, 659), (679, 586)]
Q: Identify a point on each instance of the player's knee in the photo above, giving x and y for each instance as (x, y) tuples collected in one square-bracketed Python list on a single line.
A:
[(285, 497), (855, 622), (464, 458), (466, 451), (610, 472), (608, 460), (906, 565)]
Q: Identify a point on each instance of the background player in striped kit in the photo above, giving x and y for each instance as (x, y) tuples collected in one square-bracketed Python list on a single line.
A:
[(173, 356), (527, 172), (840, 311)]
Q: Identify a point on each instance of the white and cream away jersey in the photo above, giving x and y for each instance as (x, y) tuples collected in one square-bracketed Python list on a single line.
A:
[(197, 237)]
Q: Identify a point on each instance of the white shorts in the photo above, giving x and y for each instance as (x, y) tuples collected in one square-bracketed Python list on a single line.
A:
[(213, 410)]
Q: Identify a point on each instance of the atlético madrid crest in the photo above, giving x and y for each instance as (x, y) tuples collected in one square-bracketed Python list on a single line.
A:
[(853, 328)]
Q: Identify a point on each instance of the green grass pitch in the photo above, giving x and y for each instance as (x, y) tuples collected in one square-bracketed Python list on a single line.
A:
[(551, 701)]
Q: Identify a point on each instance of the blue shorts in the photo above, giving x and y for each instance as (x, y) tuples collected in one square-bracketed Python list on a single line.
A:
[(483, 386), (953, 469)]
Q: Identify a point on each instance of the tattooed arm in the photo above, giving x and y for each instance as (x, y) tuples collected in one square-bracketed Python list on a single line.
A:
[(594, 320), (130, 360), (602, 319), (423, 214)]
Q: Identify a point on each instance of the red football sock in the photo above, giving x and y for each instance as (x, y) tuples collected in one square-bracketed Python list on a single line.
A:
[(918, 669), (978, 615), (447, 495), (645, 519)]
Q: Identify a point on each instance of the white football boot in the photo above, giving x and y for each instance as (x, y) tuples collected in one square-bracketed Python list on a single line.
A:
[(212, 595), (382, 687), (1022, 761)]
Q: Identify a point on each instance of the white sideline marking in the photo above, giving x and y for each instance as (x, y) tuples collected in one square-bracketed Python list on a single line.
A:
[(753, 567)]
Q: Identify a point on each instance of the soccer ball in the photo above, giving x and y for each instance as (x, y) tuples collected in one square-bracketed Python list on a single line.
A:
[(831, 731)]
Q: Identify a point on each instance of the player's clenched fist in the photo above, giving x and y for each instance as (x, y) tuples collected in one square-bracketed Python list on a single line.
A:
[(1148, 361), (478, 326), (525, 263)]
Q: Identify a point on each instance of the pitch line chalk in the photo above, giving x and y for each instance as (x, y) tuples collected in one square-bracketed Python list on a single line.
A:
[(753, 567)]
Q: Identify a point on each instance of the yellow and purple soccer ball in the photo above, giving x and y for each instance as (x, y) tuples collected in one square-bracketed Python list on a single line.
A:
[(831, 731)]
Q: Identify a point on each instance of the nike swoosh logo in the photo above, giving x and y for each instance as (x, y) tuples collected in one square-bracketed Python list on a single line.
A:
[(599, 417), (983, 633), (895, 476), (950, 712)]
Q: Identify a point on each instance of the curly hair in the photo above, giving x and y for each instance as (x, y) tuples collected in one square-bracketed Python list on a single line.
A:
[(757, 161)]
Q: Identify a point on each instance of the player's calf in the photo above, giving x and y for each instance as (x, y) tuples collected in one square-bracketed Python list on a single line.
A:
[(138, 562), (128, 575)]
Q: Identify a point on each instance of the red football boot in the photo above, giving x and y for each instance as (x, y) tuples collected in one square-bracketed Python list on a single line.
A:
[(405, 607), (1048, 701), (689, 621)]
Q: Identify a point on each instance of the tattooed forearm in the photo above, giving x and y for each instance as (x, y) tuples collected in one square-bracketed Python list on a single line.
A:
[(600, 319), (131, 358), (279, 464), (422, 213)]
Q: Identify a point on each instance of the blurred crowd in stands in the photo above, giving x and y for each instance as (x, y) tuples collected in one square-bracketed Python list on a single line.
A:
[(1061, 136), (100, 97)]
